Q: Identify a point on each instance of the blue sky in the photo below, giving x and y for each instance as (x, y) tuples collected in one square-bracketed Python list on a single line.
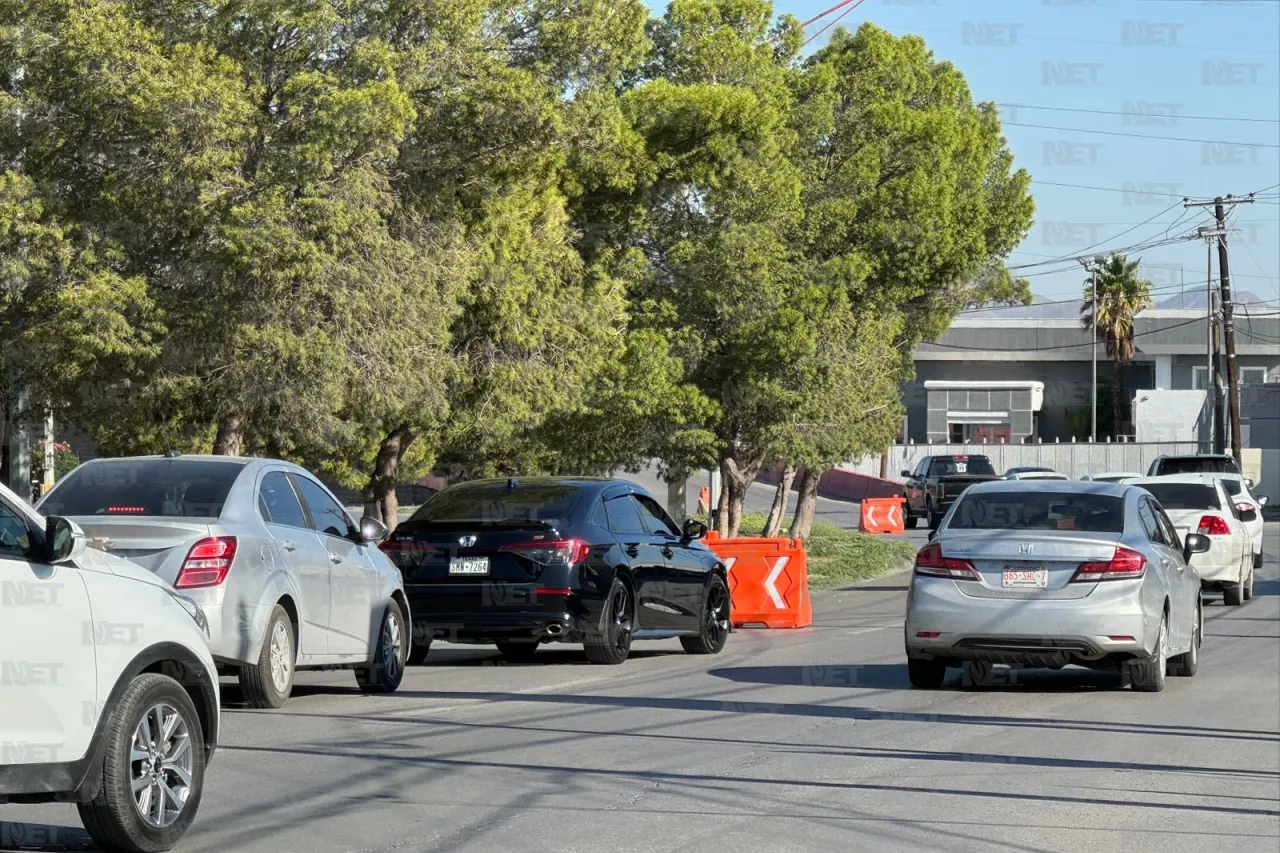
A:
[(1147, 67)]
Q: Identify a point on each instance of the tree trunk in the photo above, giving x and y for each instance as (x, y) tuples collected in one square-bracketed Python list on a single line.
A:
[(677, 501), (1117, 402), (381, 500), (737, 479), (802, 523), (773, 525), (722, 504), (230, 438)]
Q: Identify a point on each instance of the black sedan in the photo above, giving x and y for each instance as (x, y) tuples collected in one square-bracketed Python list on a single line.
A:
[(518, 563)]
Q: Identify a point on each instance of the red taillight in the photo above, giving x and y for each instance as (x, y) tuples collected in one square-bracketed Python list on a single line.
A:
[(1124, 565), (930, 562), (207, 563), (560, 552), (127, 509), (1214, 525), (550, 591), (927, 635)]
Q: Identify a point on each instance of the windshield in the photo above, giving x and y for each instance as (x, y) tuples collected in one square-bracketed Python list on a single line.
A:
[(1038, 510), (954, 465), (495, 503), (1175, 496), (183, 488), (1197, 465)]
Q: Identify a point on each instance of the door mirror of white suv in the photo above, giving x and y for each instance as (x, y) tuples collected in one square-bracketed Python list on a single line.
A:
[(1262, 501), (64, 540), (372, 530)]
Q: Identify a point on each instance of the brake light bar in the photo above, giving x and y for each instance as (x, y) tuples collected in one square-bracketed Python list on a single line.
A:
[(559, 552), (931, 563), (127, 509), (207, 563), (1125, 564), (1214, 525)]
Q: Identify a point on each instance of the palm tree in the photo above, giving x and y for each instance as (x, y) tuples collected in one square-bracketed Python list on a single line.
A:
[(1121, 296)]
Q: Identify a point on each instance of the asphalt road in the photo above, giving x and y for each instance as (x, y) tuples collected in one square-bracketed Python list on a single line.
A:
[(788, 741)]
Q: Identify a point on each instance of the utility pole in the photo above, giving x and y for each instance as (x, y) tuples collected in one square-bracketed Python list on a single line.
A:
[(1092, 265), (1228, 327), (1214, 385)]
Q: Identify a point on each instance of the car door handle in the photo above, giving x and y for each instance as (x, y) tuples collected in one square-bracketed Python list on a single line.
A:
[(335, 559), (288, 546), (667, 552)]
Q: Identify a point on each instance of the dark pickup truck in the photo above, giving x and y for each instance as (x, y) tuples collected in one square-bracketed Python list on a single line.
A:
[(938, 481)]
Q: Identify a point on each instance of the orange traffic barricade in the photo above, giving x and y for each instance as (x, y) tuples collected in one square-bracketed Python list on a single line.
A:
[(881, 515), (768, 581)]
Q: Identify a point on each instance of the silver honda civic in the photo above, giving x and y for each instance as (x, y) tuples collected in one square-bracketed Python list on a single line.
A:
[(285, 577), (1049, 573)]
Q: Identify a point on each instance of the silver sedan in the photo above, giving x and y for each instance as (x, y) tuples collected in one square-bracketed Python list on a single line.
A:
[(1055, 573), (286, 580)]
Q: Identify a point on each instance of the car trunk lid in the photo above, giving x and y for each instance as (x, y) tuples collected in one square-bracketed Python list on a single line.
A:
[(1034, 557), (452, 553), (149, 542)]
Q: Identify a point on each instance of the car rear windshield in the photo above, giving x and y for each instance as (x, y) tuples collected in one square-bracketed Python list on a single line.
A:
[(496, 503), (1184, 495), (1039, 510), (1197, 465), (181, 488), (959, 465)]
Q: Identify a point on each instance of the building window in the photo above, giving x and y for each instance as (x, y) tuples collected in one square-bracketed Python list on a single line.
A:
[(1253, 376), (957, 433), (1200, 376)]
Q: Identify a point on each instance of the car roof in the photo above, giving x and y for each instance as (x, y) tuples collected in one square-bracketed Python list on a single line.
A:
[(198, 457), (1202, 479), (590, 483), (1206, 456), (1065, 487)]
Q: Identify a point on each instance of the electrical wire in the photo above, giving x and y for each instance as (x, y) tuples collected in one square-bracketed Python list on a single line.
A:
[(1139, 135), (1120, 113), (832, 22), (1106, 189)]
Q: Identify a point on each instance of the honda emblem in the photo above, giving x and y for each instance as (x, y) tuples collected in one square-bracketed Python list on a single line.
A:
[(466, 541), (1024, 548)]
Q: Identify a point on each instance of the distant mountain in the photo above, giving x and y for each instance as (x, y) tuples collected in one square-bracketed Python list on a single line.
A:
[(1197, 299)]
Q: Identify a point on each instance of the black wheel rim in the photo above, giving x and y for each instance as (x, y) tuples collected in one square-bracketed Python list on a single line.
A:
[(621, 620), (717, 616)]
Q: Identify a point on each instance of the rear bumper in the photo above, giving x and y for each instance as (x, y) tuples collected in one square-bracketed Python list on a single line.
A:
[(1027, 632), (439, 615)]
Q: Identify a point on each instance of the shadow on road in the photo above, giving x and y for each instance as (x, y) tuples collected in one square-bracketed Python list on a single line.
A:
[(44, 837), (894, 677)]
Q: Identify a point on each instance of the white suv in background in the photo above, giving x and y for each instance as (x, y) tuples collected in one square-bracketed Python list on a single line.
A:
[(108, 693)]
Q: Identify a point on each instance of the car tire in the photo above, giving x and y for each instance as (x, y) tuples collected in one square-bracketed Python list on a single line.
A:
[(1257, 560), (711, 639), (386, 671), (1187, 664), (1233, 594), (114, 818), (1147, 675), (1247, 592), (418, 653), (268, 683), (909, 521), (926, 674), (614, 645), (518, 651), (935, 519)]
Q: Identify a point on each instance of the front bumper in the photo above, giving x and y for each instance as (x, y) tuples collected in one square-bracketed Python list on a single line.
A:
[(1023, 632)]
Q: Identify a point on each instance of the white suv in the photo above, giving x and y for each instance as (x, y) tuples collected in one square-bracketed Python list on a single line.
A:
[(108, 693)]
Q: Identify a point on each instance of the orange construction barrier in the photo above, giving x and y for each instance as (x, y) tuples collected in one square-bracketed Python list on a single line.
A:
[(881, 515), (768, 581)]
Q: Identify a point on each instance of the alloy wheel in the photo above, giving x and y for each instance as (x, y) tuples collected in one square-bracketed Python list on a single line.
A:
[(161, 763), (281, 657), (391, 634), (717, 616), (622, 620)]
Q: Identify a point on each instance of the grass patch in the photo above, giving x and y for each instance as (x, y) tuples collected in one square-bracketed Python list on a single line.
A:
[(838, 557)]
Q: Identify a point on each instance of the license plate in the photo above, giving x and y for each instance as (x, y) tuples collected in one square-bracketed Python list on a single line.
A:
[(469, 566), (1025, 576)]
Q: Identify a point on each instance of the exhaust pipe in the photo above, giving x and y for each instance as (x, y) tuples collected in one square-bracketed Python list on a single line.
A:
[(555, 630)]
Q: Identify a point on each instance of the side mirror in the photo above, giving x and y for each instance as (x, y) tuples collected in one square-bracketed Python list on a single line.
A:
[(693, 529), (906, 475), (1248, 482), (933, 534), (1262, 501), (63, 540), (1197, 543), (372, 530)]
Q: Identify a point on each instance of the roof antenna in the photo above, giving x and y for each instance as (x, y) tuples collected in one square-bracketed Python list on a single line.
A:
[(172, 454)]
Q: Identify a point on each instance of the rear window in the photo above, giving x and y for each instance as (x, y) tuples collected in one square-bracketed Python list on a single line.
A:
[(495, 503), (1038, 510), (961, 465), (181, 488), (1197, 465), (1233, 487), (1184, 495)]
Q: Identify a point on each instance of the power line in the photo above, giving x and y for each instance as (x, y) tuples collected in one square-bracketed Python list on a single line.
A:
[(1107, 189), (1159, 290), (1120, 113), (832, 22), (1019, 36), (1150, 243), (1139, 135)]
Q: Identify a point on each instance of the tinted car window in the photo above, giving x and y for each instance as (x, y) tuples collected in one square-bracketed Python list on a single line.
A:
[(278, 503), (1039, 510), (1197, 465), (185, 488), (15, 538), (961, 465), (328, 517), (496, 503), (624, 515), (1170, 532), (1184, 495), (1233, 487), (1149, 522), (655, 518)]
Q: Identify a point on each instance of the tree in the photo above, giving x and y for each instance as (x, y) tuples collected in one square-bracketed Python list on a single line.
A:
[(1121, 295)]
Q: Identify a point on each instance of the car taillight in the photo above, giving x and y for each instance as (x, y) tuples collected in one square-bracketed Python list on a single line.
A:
[(561, 552), (207, 563), (1244, 507), (930, 562), (1124, 565), (1214, 525)]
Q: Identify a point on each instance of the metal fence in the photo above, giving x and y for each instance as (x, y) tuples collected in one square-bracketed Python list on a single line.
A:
[(1075, 459)]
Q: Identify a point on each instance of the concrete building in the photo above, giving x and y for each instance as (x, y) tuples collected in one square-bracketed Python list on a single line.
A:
[(1020, 380)]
